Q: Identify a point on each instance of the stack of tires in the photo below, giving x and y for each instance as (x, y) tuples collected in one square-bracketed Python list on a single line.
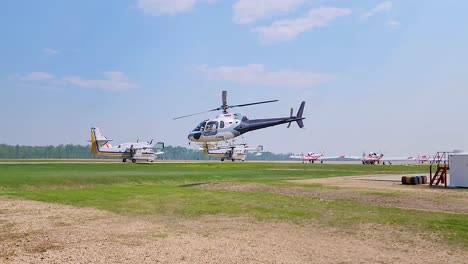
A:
[(413, 180)]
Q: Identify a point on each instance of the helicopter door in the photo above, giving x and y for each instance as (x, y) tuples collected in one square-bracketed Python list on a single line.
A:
[(211, 128)]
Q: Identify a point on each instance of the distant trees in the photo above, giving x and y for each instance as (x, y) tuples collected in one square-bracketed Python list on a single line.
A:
[(71, 151), (45, 152)]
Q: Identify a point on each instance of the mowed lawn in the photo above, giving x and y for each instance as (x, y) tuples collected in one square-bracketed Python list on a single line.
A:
[(161, 189)]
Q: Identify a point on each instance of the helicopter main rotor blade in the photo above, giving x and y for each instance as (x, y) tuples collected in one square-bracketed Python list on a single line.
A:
[(216, 109), (242, 105)]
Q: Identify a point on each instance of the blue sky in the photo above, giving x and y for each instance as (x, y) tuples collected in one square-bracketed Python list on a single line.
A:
[(376, 75)]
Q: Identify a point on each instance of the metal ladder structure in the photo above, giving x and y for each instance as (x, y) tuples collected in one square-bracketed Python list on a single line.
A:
[(441, 160)]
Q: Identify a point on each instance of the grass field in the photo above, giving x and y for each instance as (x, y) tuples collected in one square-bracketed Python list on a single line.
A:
[(164, 189)]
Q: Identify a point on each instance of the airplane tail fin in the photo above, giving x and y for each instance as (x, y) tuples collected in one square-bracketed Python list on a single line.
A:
[(98, 141), (299, 115), (159, 147), (94, 149)]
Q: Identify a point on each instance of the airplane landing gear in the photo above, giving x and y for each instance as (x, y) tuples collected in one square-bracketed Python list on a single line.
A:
[(124, 160), (133, 160)]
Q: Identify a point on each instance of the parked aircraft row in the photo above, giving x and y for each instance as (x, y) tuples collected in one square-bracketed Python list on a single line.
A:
[(369, 158), (227, 126)]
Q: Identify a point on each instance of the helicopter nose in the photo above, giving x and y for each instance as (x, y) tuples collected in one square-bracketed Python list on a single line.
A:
[(194, 136)]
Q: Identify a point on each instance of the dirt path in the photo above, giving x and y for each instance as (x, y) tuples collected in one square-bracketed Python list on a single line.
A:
[(32, 232)]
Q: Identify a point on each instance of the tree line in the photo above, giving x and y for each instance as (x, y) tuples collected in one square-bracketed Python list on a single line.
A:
[(70, 151)]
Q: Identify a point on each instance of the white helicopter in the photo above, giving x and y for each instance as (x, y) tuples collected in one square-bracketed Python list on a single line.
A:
[(228, 126), (142, 151), (231, 152)]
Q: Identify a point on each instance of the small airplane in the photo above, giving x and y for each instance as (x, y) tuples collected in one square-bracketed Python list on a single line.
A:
[(376, 157), (142, 151), (312, 157), (227, 126), (423, 158), (230, 152)]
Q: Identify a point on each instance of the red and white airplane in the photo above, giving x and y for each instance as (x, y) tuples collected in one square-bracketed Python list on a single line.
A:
[(375, 158), (423, 158), (312, 157)]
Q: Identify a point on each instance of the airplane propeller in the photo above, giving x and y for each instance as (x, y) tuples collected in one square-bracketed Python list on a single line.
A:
[(225, 106)]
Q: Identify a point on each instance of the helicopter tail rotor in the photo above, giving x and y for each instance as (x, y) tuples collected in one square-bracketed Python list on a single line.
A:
[(291, 115), (299, 115)]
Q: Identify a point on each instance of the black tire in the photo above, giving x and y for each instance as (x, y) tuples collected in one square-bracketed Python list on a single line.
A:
[(233, 160), (222, 159), (124, 160), (133, 160)]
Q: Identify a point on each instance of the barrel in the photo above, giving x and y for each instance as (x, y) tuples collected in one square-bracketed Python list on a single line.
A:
[(418, 179), (406, 180), (424, 179), (413, 180)]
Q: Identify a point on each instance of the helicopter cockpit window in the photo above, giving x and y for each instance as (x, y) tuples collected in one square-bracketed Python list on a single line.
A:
[(212, 125), (200, 127), (221, 124)]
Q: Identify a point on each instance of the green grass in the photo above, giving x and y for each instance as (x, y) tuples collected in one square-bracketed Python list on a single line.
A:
[(155, 189), (73, 175)]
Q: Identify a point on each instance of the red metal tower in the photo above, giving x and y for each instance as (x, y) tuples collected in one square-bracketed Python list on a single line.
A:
[(441, 160)]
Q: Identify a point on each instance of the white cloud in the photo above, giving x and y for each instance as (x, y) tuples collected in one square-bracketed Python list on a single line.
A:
[(113, 80), (393, 24), (50, 52), (288, 29), (37, 76), (256, 74), (382, 7), (167, 7), (247, 11)]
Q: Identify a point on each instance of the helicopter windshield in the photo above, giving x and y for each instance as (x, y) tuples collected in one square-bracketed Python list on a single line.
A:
[(200, 127)]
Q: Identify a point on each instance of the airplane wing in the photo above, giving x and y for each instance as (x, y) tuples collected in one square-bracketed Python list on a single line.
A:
[(296, 157), (341, 157), (353, 157), (397, 159), (257, 149)]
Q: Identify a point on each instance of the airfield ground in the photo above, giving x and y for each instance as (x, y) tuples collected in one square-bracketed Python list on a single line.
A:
[(226, 213)]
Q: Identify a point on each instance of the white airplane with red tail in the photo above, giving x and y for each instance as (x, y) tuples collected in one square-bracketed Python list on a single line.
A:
[(376, 158), (312, 157)]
